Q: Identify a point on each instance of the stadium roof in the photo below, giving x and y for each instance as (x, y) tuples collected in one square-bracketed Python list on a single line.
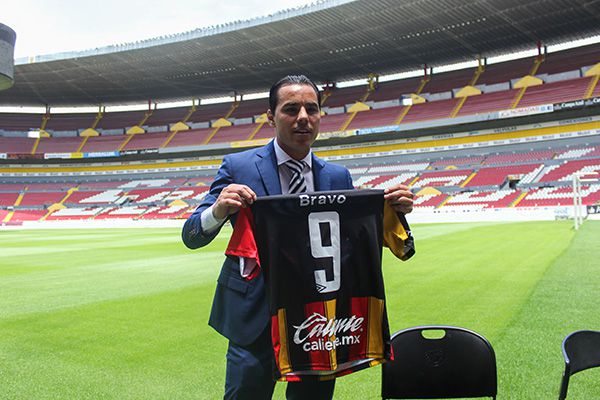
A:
[(332, 40)]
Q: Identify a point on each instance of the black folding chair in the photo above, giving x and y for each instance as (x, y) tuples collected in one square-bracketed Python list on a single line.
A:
[(581, 350), (456, 362)]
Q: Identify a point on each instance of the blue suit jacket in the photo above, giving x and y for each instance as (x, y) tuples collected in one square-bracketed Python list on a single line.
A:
[(240, 310)]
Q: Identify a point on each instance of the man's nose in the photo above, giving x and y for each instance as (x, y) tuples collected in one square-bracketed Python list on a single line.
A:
[(302, 114)]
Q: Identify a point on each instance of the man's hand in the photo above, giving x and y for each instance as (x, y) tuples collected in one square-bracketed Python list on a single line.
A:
[(400, 197), (231, 199)]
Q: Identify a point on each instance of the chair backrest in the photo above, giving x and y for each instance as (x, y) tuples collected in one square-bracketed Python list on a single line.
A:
[(581, 350), (456, 362)]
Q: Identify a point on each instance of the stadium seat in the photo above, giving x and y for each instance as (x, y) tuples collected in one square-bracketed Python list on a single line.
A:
[(439, 362), (581, 350)]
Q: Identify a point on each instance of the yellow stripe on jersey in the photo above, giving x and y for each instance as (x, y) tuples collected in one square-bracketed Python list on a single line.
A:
[(376, 362), (374, 335), (284, 352), (394, 234), (330, 314)]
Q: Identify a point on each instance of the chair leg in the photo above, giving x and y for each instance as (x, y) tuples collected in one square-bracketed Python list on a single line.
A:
[(564, 386)]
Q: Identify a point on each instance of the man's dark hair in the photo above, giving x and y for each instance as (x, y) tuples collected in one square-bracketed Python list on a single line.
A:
[(290, 80)]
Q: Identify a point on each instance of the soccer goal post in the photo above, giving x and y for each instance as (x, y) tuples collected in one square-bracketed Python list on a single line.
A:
[(579, 212)]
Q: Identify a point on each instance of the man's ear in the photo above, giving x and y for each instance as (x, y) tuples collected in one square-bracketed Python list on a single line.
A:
[(270, 118)]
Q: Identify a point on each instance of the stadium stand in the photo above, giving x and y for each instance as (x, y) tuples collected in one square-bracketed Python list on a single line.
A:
[(233, 133), (210, 112), (69, 214), (102, 143), (572, 89), (41, 198), (505, 71), (16, 145), (20, 216), (108, 196), (100, 185), (145, 141), (474, 160), (69, 122), (198, 181), (374, 118), (393, 90), (166, 212), (509, 158), (20, 122), (119, 120), (167, 116), (577, 153), (193, 137), (330, 123), (486, 199), (448, 81), (12, 187), (560, 196), (565, 171), (249, 108), (59, 145), (429, 201), (496, 176), (8, 199), (488, 102), (443, 178), (431, 110), (48, 187), (175, 197), (262, 131), (383, 181), (435, 144), (495, 81), (341, 97), (568, 60)]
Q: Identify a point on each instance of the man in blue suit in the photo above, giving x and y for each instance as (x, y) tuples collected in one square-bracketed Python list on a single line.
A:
[(240, 308)]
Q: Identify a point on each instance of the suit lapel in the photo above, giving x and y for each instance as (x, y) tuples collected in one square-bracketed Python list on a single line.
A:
[(320, 176), (267, 169)]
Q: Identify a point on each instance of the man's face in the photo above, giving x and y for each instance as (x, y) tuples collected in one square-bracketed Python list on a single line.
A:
[(296, 119)]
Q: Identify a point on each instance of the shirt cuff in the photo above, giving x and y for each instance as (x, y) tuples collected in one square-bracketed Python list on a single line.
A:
[(247, 266), (209, 223)]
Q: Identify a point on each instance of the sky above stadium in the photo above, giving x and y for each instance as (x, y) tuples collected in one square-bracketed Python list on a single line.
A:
[(54, 26)]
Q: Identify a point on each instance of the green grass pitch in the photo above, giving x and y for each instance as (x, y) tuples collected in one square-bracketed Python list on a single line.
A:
[(122, 313)]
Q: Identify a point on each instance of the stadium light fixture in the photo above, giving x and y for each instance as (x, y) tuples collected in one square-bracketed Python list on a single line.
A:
[(23, 110), (216, 100), (254, 96), (457, 66), (574, 43), (74, 110)]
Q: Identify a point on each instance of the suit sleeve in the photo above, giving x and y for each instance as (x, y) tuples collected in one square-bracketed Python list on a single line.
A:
[(192, 234), (349, 180)]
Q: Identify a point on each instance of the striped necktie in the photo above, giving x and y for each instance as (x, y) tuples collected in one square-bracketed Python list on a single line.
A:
[(297, 183)]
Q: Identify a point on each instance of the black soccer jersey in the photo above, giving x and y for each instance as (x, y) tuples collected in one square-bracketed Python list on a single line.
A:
[(321, 258)]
